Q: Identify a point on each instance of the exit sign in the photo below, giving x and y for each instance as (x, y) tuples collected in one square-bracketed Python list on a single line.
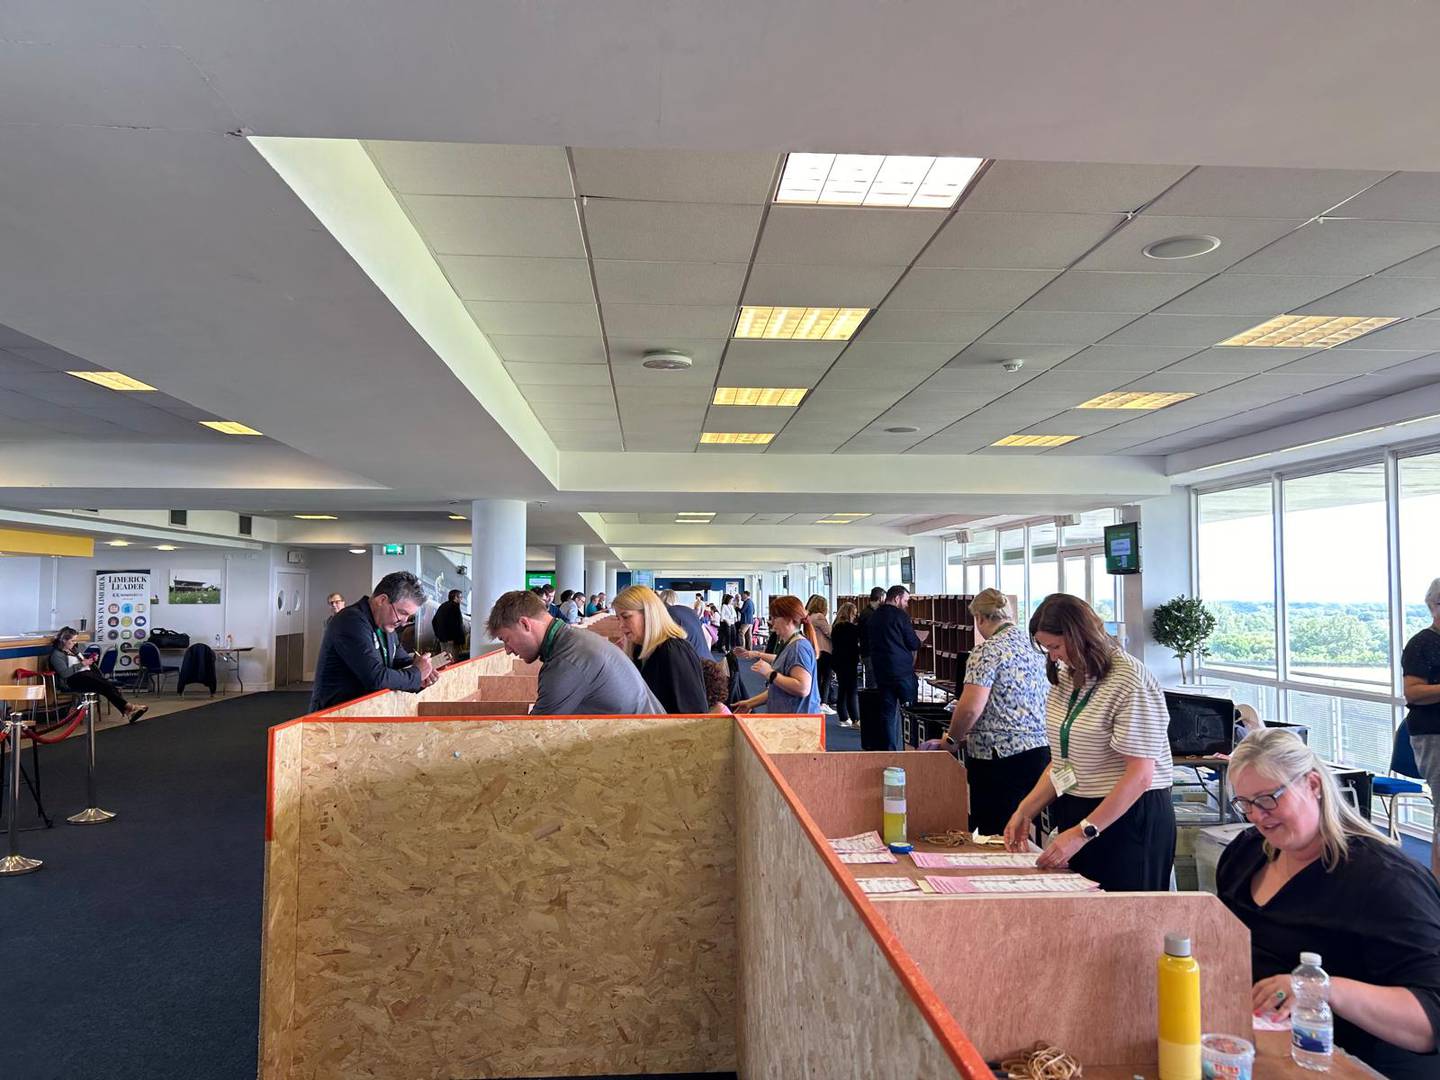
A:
[(394, 549)]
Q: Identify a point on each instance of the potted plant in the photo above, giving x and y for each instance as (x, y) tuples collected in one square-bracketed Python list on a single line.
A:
[(1183, 625)]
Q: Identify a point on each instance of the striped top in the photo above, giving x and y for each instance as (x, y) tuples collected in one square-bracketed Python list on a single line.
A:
[(1126, 717)]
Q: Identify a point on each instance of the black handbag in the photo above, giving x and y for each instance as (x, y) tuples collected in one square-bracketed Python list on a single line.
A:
[(169, 639)]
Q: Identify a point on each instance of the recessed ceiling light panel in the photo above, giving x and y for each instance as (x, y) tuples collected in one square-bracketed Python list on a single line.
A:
[(229, 427), (896, 180), (118, 543), (787, 396), (316, 517), (1181, 247), (166, 547), (1120, 399), (737, 438), (799, 323), (111, 380), (1035, 440), (1307, 331), (359, 551)]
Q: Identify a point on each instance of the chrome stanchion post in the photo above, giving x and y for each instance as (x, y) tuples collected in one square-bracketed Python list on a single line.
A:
[(14, 862), (92, 814)]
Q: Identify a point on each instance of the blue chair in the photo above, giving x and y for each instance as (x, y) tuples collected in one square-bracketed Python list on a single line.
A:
[(108, 660), (155, 669), (1395, 787)]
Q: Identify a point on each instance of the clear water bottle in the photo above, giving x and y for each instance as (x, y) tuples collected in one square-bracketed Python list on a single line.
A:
[(1312, 1025)]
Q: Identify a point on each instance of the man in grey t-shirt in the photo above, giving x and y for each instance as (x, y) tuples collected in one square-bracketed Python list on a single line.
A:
[(581, 673)]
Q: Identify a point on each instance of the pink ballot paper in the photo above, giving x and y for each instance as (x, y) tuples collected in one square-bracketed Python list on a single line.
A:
[(881, 885), (985, 860), (865, 841), (1011, 883)]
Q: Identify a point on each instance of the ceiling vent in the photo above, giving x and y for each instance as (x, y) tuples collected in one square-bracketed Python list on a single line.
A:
[(667, 360), (179, 517)]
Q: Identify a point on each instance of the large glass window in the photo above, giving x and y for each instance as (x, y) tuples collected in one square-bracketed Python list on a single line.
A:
[(1419, 530), (1012, 569), (1044, 564), (1337, 606), (1237, 576)]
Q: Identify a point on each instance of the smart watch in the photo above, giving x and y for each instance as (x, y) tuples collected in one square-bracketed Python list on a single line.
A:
[(1089, 829), (771, 680)]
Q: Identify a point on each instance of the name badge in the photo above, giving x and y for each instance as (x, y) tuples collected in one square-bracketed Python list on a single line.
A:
[(1063, 777)]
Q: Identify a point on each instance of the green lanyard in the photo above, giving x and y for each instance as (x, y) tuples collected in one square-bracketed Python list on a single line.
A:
[(548, 641), (1070, 715), (382, 640)]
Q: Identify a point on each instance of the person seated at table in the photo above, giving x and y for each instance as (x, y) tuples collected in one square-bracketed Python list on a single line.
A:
[(1313, 875), (659, 647), (76, 674)]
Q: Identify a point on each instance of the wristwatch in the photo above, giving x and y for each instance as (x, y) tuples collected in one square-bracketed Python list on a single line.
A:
[(1089, 829), (770, 681)]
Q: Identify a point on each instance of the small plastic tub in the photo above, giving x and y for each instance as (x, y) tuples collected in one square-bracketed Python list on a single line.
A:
[(1226, 1057)]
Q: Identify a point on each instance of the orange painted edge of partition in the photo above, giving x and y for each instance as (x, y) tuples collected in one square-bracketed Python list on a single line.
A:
[(323, 715), (952, 1037)]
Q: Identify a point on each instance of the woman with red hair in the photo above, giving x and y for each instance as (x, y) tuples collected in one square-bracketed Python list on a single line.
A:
[(791, 685)]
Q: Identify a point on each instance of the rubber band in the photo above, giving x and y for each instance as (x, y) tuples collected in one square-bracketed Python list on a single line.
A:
[(1041, 1062)]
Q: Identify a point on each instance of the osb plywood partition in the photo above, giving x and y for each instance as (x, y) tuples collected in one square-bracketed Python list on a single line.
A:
[(278, 933), (1010, 967), (842, 792), (456, 681), (508, 687), (473, 707), (820, 998), (515, 898), (786, 734)]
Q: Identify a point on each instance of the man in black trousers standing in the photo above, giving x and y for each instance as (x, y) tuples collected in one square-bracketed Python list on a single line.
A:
[(893, 644)]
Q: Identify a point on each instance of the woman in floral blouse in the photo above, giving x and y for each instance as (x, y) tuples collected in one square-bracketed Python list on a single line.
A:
[(1000, 715)]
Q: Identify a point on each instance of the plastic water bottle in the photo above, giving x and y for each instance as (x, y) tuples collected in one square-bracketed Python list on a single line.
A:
[(894, 808), (1312, 1025)]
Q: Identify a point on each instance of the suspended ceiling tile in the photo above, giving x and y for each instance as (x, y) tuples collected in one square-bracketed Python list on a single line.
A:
[(439, 168), (1426, 264), (467, 225), (500, 277), (567, 393), (558, 320), (1068, 186), (1407, 336), (894, 373), (1045, 327), (1239, 237), (1406, 196), (966, 290), (661, 321), (548, 349), (1017, 240), (777, 284), (664, 232), (1338, 246), (1125, 358), (1351, 361), (736, 418), (1199, 331), (575, 410), (688, 176), (1183, 382), (880, 354), (1228, 192), (669, 283), (1243, 360), (1089, 290), (1379, 296), (957, 328), (785, 353), (984, 354), (845, 236), (559, 374), (1260, 296)]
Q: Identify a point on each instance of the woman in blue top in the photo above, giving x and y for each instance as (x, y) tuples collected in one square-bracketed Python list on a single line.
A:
[(791, 683)]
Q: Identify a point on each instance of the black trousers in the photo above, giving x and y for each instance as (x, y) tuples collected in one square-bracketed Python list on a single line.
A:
[(722, 637), (824, 665), (998, 784), (891, 696), (1135, 854), (847, 693), (92, 682)]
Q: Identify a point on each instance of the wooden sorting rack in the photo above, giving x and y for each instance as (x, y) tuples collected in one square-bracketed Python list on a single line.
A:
[(951, 635)]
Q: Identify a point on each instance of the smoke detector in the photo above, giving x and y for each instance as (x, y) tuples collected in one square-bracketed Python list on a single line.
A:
[(1012, 366), (666, 360)]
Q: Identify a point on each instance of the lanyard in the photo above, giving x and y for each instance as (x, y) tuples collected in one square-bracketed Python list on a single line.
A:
[(1070, 715), (382, 640), (548, 641)]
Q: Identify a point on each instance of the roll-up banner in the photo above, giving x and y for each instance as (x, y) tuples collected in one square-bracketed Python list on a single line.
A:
[(122, 615)]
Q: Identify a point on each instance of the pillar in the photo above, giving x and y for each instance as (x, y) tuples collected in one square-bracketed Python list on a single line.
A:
[(497, 556), (929, 565), (594, 577), (612, 582), (569, 567), (1164, 575)]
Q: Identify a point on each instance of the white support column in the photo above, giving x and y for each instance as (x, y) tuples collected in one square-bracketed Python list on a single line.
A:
[(612, 583), (569, 568), (497, 556), (594, 577), (1164, 575)]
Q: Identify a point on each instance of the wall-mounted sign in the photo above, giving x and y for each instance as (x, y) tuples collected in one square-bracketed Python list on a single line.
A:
[(394, 549)]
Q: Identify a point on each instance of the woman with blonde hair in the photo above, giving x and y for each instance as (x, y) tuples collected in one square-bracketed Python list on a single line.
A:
[(1314, 875), (999, 716), (845, 657), (818, 609), (660, 648), (791, 686)]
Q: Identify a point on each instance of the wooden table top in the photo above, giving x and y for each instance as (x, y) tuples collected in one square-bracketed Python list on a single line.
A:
[(1272, 1062)]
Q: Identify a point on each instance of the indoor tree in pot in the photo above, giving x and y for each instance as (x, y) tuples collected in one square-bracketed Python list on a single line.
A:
[(1183, 625)]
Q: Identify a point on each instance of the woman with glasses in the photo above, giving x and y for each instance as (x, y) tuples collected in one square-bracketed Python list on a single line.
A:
[(1110, 767), (1314, 876)]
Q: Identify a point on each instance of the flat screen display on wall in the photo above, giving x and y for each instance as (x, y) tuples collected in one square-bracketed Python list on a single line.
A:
[(1122, 548)]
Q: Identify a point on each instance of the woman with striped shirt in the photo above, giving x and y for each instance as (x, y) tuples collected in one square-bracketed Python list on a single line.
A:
[(1111, 770)]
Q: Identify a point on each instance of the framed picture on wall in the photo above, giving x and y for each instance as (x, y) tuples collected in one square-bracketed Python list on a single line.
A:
[(195, 586)]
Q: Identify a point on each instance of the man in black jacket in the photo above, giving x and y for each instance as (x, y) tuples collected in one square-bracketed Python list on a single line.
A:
[(361, 652), (449, 625), (893, 645), (877, 597)]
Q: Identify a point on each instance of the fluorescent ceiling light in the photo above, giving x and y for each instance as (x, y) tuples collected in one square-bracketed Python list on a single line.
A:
[(1308, 331), (695, 513), (229, 427), (458, 517), (737, 438), (916, 182), (358, 551), (759, 395), (1122, 399), (316, 517), (833, 521), (849, 515), (111, 380), (118, 543), (799, 323), (166, 547), (1035, 440)]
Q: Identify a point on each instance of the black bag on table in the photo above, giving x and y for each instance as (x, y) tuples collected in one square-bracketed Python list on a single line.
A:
[(169, 639)]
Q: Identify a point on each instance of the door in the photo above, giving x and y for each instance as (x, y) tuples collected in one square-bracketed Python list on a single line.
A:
[(289, 651)]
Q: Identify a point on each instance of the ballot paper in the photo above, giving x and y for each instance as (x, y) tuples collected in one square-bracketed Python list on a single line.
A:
[(1266, 1022), (986, 860), (880, 885), (1010, 883), (866, 841), (865, 857)]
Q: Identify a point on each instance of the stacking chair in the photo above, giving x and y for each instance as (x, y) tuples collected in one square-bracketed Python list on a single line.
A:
[(1395, 786), (155, 670)]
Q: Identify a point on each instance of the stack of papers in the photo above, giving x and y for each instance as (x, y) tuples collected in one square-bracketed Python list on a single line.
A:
[(881, 885), (1011, 883), (862, 848), (987, 860)]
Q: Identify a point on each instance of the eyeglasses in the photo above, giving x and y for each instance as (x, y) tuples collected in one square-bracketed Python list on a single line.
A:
[(1266, 802)]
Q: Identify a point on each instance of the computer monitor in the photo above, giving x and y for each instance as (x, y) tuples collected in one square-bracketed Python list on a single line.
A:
[(1200, 724)]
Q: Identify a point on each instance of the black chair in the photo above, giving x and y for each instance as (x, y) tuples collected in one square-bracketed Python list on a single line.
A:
[(155, 669), (197, 666)]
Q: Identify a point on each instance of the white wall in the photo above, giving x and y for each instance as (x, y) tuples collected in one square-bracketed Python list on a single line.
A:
[(20, 611), (929, 565), (331, 570), (243, 613), (1164, 575)]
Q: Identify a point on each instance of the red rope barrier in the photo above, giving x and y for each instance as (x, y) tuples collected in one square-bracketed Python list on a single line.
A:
[(56, 734)]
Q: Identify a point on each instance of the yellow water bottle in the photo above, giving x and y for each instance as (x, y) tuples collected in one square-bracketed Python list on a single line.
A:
[(1178, 1010), (893, 819)]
